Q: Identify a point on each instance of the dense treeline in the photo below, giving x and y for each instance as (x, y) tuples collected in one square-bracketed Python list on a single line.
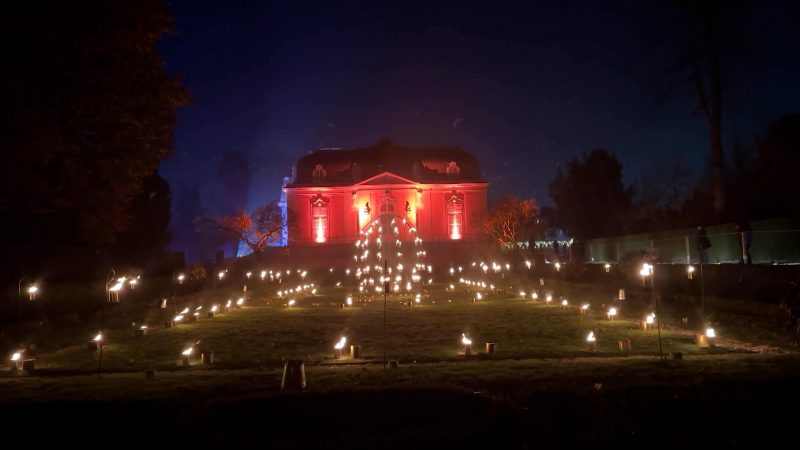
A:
[(88, 117), (593, 201)]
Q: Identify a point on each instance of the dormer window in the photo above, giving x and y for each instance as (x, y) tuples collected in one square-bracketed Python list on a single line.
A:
[(319, 173), (452, 168)]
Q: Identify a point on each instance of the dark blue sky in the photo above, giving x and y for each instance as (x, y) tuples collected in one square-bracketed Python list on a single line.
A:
[(524, 88)]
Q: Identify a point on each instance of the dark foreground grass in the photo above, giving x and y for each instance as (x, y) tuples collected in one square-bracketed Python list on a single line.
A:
[(722, 401)]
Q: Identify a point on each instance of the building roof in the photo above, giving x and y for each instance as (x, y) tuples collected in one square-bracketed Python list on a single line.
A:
[(337, 167)]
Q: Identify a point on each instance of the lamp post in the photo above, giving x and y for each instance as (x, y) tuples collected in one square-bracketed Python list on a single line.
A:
[(31, 290), (108, 284), (100, 345), (385, 294), (649, 270)]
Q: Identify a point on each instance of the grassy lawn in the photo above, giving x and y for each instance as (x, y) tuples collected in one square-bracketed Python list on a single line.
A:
[(542, 386), (266, 333)]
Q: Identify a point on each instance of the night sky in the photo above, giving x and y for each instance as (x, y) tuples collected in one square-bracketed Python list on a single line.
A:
[(523, 88)]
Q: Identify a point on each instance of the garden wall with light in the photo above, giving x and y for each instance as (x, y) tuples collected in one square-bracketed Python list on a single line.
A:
[(752, 289)]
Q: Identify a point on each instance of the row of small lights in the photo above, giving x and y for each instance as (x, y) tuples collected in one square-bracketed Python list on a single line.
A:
[(646, 270)]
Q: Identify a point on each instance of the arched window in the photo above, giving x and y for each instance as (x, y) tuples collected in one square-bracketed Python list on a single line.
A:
[(455, 216), (319, 219), (387, 206)]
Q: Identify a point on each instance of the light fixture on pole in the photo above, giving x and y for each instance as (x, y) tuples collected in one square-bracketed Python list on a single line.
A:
[(649, 270), (31, 290)]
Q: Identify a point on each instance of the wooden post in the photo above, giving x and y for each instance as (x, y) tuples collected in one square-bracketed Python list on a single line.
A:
[(490, 348), (701, 340), (688, 253), (29, 365), (624, 345), (294, 375)]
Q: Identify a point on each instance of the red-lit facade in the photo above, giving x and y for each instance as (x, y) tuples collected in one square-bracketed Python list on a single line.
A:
[(335, 194)]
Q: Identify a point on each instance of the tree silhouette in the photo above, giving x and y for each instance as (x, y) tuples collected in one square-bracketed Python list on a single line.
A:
[(90, 110), (591, 198)]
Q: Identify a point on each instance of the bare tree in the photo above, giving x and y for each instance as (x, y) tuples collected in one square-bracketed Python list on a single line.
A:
[(508, 219), (706, 78), (257, 230)]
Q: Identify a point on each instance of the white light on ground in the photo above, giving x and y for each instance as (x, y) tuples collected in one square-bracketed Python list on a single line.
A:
[(340, 345), (650, 318), (711, 333), (465, 340), (590, 337), (188, 351), (16, 356)]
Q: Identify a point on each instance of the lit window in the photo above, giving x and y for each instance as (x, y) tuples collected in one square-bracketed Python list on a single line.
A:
[(319, 214), (455, 216)]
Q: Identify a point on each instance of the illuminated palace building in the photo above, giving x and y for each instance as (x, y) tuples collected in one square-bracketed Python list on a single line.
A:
[(436, 194)]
